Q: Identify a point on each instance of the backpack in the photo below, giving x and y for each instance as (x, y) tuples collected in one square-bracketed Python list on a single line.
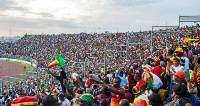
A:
[(192, 100), (108, 99), (178, 102), (96, 103)]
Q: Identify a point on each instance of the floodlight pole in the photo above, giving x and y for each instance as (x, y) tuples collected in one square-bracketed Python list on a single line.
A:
[(179, 30), (151, 41), (127, 43), (105, 52)]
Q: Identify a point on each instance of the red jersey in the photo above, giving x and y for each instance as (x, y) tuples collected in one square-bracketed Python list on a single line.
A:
[(157, 70), (115, 98), (131, 80), (103, 96), (129, 97)]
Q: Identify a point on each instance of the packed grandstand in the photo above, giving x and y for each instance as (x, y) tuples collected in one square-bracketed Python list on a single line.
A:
[(110, 69)]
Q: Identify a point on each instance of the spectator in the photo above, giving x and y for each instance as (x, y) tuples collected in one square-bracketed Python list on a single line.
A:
[(155, 100), (49, 100)]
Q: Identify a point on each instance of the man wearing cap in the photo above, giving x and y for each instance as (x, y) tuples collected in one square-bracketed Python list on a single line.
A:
[(139, 91), (157, 70), (173, 69), (85, 100), (142, 85), (179, 75), (176, 65), (147, 76), (184, 60)]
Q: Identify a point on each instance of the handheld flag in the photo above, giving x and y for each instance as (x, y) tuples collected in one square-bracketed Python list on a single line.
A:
[(88, 83), (188, 39), (59, 61), (53, 64)]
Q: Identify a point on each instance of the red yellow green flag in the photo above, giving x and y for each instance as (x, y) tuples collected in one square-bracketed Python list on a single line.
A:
[(25, 101), (58, 61)]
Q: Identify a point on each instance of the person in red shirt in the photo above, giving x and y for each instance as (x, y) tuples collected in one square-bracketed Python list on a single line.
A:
[(105, 94), (128, 95), (131, 80), (157, 69), (118, 93)]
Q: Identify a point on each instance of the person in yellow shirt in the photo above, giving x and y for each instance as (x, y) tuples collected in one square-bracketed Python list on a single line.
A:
[(196, 64)]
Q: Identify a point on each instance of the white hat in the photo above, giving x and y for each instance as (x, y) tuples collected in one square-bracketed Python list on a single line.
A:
[(146, 66)]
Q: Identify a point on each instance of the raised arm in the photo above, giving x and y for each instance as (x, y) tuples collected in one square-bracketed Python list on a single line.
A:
[(113, 90), (49, 72)]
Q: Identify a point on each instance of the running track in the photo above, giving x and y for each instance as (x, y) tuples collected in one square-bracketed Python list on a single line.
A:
[(9, 69)]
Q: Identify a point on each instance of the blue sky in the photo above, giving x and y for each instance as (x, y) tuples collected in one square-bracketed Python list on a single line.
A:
[(75, 16)]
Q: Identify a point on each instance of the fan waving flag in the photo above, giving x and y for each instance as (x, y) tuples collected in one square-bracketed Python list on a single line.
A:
[(59, 61)]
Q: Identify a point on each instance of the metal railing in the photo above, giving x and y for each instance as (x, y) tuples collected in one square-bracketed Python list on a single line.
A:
[(18, 81)]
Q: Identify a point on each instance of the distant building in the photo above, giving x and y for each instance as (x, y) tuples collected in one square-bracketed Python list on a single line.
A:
[(9, 39)]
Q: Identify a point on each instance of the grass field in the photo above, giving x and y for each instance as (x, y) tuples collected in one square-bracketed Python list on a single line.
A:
[(18, 63)]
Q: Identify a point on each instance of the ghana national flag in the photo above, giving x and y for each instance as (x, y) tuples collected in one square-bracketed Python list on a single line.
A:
[(25, 101)]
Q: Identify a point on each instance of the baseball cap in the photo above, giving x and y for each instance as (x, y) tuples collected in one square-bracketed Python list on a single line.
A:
[(180, 74), (177, 58), (136, 90), (141, 83)]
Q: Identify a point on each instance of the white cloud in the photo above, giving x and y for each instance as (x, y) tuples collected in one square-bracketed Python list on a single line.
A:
[(72, 16)]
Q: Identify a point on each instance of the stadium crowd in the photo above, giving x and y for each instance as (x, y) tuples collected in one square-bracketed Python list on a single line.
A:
[(132, 75)]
